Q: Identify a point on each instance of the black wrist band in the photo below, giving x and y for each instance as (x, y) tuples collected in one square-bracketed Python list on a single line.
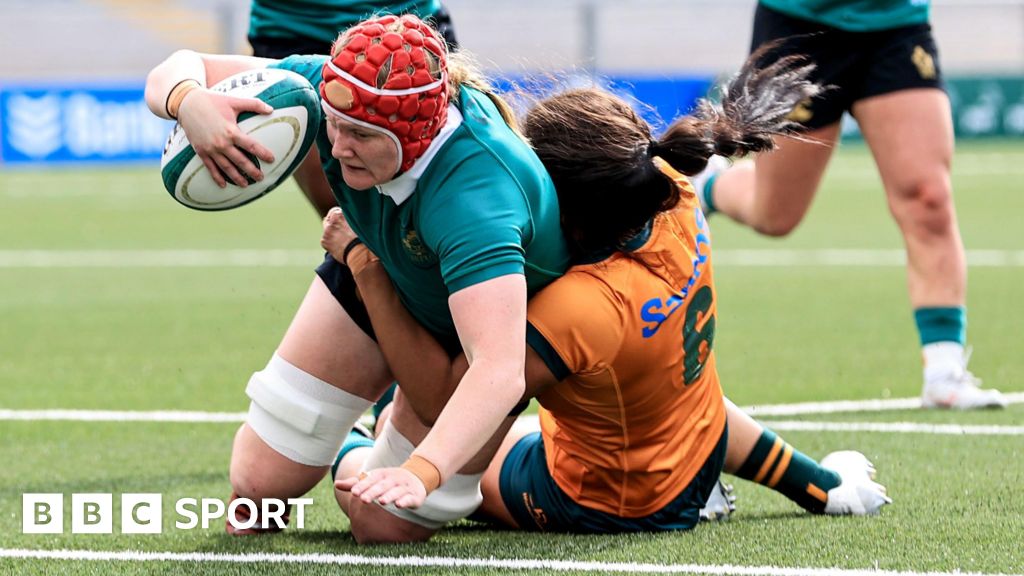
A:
[(348, 248)]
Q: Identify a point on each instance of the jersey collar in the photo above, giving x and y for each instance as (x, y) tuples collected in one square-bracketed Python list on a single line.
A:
[(401, 188), (632, 245)]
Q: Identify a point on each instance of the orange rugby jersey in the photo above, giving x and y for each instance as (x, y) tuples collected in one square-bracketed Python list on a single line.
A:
[(639, 407)]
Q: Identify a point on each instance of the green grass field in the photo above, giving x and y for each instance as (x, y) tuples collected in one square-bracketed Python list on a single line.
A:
[(79, 332)]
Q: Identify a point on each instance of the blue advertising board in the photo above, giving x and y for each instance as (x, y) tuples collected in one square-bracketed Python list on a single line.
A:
[(658, 99), (74, 124), (96, 123), (110, 123)]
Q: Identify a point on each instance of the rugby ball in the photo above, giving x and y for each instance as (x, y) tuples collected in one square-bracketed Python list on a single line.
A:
[(288, 132)]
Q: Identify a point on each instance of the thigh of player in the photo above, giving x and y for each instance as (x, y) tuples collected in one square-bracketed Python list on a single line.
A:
[(325, 347), (787, 179), (903, 111), (331, 338)]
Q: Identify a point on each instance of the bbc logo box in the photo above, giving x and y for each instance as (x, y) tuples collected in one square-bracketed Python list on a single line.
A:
[(91, 513)]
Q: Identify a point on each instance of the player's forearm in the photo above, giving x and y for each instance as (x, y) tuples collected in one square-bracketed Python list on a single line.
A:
[(491, 321), (482, 401), (182, 65), (422, 367)]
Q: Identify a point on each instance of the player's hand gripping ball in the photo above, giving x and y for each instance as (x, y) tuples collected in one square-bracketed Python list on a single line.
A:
[(288, 132)]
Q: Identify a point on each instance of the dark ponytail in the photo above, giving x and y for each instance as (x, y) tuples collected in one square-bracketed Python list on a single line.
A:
[(600, 153), (755, 106)]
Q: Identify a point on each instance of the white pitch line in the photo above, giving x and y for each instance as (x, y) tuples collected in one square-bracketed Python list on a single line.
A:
[(310, 258), (124, 416), (895, 427), (838, 406), (841, 406), (447, 562), (197, 417), (854, 258), (158, 258)]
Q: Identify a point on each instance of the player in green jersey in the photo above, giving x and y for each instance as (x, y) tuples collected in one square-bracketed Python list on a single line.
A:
[(426, 163), (881, 62)]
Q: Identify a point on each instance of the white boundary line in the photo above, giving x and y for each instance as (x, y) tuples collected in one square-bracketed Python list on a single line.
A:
[(802, 408), (760, 411), (838, 406), (309, 258), (123, 416), (158, 258), (854, 258), (895, 427), (447, 562)]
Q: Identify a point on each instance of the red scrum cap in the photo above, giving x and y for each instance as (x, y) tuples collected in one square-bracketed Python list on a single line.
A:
[(390, 74)]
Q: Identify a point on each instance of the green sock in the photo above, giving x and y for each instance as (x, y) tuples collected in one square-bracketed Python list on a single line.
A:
[(777, 465), (941, 324), (355, 439), (709, 197)]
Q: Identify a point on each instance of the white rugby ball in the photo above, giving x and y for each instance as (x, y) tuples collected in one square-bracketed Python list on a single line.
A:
[(288, 132)]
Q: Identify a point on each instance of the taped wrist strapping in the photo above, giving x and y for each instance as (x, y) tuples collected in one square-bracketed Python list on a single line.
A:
[(177, 94), (424, 470), (357, 257)]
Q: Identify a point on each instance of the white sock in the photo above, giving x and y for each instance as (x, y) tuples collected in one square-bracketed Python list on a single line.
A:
[(941, 359)]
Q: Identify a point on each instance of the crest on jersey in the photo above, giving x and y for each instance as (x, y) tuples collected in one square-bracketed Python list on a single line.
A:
[(417, 251)]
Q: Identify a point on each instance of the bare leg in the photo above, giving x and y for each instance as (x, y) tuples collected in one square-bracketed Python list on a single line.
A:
[(743, 434), (773, 193), (911, 137), (324, 342)]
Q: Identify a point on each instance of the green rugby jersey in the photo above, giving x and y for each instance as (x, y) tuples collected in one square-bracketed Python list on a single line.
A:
[(324, 19), (484, 207), (856, 15)]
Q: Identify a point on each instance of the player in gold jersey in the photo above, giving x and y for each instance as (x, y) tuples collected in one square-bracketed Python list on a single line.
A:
[(633, 422)]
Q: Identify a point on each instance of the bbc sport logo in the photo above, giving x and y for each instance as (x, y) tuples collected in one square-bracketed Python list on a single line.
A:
[(143, 513)]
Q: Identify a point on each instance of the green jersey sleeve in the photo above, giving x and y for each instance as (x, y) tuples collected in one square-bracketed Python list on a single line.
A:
[(477, 224), (308, 66)]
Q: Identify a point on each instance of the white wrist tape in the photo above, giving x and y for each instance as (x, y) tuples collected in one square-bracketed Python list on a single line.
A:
[(299, 415), (457, 498)]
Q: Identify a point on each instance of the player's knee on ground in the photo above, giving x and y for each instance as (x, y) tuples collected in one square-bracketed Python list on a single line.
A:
[(258, 471), (243, 477), (457, 498), (372, 524)]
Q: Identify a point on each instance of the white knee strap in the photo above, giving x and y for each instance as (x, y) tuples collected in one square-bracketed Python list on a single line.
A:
[(299, 415), (457, 498)]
